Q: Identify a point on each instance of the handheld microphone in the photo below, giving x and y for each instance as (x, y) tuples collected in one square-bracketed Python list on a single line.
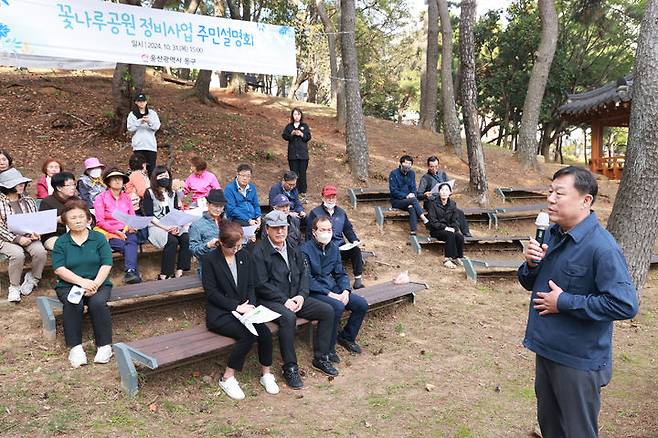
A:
[(542, 224)]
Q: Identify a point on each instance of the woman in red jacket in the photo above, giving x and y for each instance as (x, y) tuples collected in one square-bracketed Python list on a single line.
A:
[(50, 167)]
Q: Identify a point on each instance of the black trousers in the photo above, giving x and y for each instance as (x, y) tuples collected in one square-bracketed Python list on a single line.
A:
[(568, 399), (354, 255), (312, 310), (168, 263), (454, 243), (101, 321), (461, 218), (151, 159), (245, 339), (299, 167)]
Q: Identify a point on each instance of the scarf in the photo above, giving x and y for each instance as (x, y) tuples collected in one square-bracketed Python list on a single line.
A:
[(138, 114)]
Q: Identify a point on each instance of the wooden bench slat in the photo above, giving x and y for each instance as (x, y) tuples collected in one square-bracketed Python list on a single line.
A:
[(156, 287)]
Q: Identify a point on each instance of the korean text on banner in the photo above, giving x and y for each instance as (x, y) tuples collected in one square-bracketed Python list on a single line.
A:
[(95, 30)]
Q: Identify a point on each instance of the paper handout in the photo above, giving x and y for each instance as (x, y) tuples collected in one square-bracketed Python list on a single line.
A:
[(257, 316), (136, 222), (176, 218), (347, 246), (249, 232), (42, 222)]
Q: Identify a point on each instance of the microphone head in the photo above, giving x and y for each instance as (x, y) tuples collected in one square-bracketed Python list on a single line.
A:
[(542, 221)]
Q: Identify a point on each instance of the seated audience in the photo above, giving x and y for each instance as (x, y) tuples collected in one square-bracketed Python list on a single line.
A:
[(120, 237), (49, 168), (281, 283), (200, 181), (288, 188), (15, 200), (5, 160), (204, 231), (402, 185), (159, 200), (63, 184), (342, 230), (282, 203), (329, 283), (242, 203), (443, 225), (91, 182), (82, 257), (228, 283), (138, 180), (428, 181)]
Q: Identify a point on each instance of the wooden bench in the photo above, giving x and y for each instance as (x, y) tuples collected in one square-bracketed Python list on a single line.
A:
[(497, 243), (191, 345), (515, 193), (480, 215), (369, 194), (654, 260), (48, 305), (489, 267), (520, 212)]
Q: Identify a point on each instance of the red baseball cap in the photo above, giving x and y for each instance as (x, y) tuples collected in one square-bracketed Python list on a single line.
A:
[(329, 190)]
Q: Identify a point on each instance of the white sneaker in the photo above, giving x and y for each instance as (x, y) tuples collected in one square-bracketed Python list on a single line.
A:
[(103, 354), (458, 262), (77, 356), (449, 264), (269, 383), (231, 388), (29, 283), (14, 295)]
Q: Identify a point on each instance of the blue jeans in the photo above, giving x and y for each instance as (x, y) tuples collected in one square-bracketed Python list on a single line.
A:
[(412, 206), (357, 305), (128, 248)]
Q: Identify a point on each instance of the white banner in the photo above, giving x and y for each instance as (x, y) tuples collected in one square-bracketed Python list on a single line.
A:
[(94, 30)]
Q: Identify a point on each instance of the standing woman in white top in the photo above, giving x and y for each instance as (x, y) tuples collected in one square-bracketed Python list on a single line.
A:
[(143, 122)]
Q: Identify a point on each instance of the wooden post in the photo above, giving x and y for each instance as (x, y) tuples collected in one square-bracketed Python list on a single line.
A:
[(597, 146)]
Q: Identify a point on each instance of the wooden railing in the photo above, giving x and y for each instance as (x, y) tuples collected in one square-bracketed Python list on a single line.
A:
[(612, 167)]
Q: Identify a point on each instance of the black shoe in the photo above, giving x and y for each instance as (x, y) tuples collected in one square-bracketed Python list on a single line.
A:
[(323, 364), (131, 277), (333, 357), (468, 235), (293, 379), (358, 284), (350, 346)]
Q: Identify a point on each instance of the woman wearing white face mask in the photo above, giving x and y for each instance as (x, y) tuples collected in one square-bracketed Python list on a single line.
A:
[(91, 182)]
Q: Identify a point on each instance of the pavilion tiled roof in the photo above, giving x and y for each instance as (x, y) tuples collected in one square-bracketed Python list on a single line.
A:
[(603, 98)]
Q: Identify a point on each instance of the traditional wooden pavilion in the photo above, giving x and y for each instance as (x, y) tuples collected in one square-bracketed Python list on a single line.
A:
[(609, 106)]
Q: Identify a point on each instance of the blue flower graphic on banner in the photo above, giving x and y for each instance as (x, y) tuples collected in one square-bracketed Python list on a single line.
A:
[(6, 2), (4, 30)]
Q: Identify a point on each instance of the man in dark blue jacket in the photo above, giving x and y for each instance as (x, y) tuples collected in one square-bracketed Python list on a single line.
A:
[(580, 284), (342, 229), (402, 185), (288, 187), (242, 203), (329, 283)]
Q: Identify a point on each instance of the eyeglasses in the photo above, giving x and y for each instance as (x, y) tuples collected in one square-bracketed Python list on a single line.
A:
[(69, 185)]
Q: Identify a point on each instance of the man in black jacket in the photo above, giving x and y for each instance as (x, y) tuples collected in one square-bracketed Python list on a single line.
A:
[(282, 285)]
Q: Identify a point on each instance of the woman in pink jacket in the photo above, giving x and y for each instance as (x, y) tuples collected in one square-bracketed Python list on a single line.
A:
[(201, 181), (120, 237)]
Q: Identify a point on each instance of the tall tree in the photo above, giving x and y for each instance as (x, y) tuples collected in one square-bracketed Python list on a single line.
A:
[(451, 129), (428, 90), (341, 106), (330, 30), (634, 218), (527, 142), (355, 129), (469, 94)]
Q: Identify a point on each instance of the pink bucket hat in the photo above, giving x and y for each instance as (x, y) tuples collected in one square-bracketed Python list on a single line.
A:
[(91, 163)]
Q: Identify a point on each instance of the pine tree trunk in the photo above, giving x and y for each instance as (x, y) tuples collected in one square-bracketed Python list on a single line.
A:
[(355, 130), (331, 42), (127, 80), (428, 92), (527, 146), (634, 218), (341, 109), (477, 171), (451, 129)]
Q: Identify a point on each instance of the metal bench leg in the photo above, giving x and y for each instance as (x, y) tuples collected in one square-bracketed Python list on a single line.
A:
[(46, 306), (127, 370), (379, 218), (415, 245), (469, 268), (352, 196)]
